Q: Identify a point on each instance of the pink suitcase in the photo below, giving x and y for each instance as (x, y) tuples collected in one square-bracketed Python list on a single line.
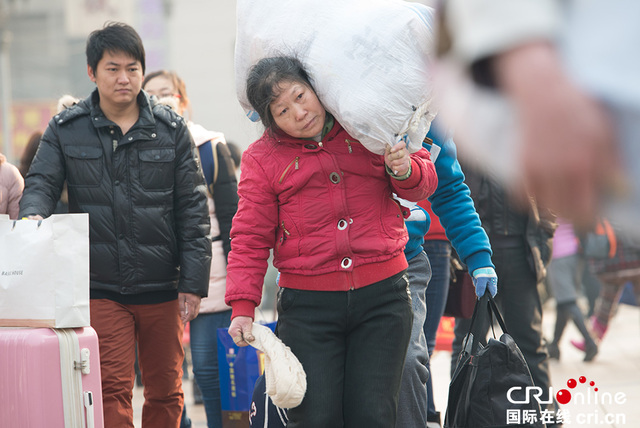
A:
[(50, 378)]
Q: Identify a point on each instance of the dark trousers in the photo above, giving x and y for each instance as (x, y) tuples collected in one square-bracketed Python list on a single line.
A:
[(352, 346), (519, 303)]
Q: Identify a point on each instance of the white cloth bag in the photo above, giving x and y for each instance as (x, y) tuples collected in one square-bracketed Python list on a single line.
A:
[(285, 379), (368, 61), (44, 272)]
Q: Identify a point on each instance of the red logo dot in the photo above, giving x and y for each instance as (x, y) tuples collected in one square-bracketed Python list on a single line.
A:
[(563, 396), (571, 383), (582, 379), (592, 383)]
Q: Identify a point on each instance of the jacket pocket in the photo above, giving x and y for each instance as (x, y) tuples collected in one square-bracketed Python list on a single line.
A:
[(156, 168), (84, 165), (287, 239), (392, 218)]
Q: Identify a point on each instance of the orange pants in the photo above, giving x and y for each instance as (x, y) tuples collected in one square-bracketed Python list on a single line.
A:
[(157, 329)]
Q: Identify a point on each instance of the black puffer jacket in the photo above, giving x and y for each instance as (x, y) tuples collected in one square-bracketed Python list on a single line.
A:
[(144, 192), (501, 216)]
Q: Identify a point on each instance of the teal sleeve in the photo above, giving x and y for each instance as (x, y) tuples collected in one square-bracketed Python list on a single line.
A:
[(452, 203)]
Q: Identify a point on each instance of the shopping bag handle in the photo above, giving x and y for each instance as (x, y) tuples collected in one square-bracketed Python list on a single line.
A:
[(492, 310), (467, 348)]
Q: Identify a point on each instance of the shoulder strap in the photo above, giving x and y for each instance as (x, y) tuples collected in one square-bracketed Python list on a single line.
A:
[(209, 161), (604, 228), (214, 153)]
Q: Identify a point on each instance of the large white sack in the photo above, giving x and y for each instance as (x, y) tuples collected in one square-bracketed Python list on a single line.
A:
[(369, 61)]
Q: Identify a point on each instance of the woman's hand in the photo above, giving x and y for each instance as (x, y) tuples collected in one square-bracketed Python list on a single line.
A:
[(240, 330), (397, 159)]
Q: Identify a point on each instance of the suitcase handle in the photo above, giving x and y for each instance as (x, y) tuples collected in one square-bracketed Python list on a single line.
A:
[(88, 405)]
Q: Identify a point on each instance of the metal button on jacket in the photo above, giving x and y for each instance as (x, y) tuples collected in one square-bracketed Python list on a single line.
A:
[(346, 263), (334, 177)]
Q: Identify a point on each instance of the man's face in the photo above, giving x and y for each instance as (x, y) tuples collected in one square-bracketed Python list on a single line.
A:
[(118, 77)]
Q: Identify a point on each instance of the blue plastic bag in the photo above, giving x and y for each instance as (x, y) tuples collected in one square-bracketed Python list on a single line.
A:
[(239, 368)]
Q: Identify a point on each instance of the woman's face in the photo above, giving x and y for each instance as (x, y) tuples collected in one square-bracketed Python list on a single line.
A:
[(161, 87), (297, 110)]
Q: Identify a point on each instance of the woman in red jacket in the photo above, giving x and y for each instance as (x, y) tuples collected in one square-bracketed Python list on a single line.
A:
[(324, 203)]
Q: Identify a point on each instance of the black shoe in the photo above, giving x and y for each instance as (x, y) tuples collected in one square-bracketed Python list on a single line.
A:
[(553, 350), (590, 352)]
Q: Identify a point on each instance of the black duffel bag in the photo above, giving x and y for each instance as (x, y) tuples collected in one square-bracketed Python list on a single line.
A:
[(478, 392)]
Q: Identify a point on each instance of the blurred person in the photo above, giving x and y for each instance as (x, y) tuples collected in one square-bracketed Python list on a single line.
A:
[(438, 249), (565, 278), (457, 218), (219, 172), (11, 187), (131, 165), (619, 266), (521, 237), (569, 121), (324, 203)]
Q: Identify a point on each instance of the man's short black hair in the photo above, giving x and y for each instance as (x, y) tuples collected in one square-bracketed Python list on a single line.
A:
[(114, 37)]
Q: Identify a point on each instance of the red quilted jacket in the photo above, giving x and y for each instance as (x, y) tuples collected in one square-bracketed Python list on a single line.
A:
[(327, 210)]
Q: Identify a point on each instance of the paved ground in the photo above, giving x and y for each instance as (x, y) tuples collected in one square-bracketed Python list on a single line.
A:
[(615, 371)]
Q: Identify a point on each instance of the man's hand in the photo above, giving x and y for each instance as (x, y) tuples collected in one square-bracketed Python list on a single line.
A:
[(189, 306), (240, 330), (568, 144), (485, 279)]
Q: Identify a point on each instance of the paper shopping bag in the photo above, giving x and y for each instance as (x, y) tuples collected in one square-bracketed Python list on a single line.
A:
[(44, 272)]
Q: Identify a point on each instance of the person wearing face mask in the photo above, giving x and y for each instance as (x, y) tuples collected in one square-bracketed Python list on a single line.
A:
[(222, 199)]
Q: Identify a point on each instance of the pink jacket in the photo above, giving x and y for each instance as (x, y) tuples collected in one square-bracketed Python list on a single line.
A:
[(565, 241), (326, 209), (11, 187)]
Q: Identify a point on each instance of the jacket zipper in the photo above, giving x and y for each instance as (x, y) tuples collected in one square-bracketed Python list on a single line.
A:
[(285, 234), (349, 144), (285, 229), (295, 161)]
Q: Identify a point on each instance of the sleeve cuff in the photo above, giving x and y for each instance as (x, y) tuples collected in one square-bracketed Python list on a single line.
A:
[(242, 308), (411, 181), (481, 259)]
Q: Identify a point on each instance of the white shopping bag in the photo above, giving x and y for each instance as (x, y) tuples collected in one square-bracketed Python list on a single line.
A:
[(44, 272), (369, 61)]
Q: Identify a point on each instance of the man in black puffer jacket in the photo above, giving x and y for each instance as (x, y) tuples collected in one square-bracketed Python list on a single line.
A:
[(521, 235), (131, 165)]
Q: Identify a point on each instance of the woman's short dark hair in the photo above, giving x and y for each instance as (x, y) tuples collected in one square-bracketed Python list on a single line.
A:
[(264, 79), (114, 37), (29, 152)]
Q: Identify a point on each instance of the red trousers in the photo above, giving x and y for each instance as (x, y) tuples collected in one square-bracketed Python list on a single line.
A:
[(157, 329)]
